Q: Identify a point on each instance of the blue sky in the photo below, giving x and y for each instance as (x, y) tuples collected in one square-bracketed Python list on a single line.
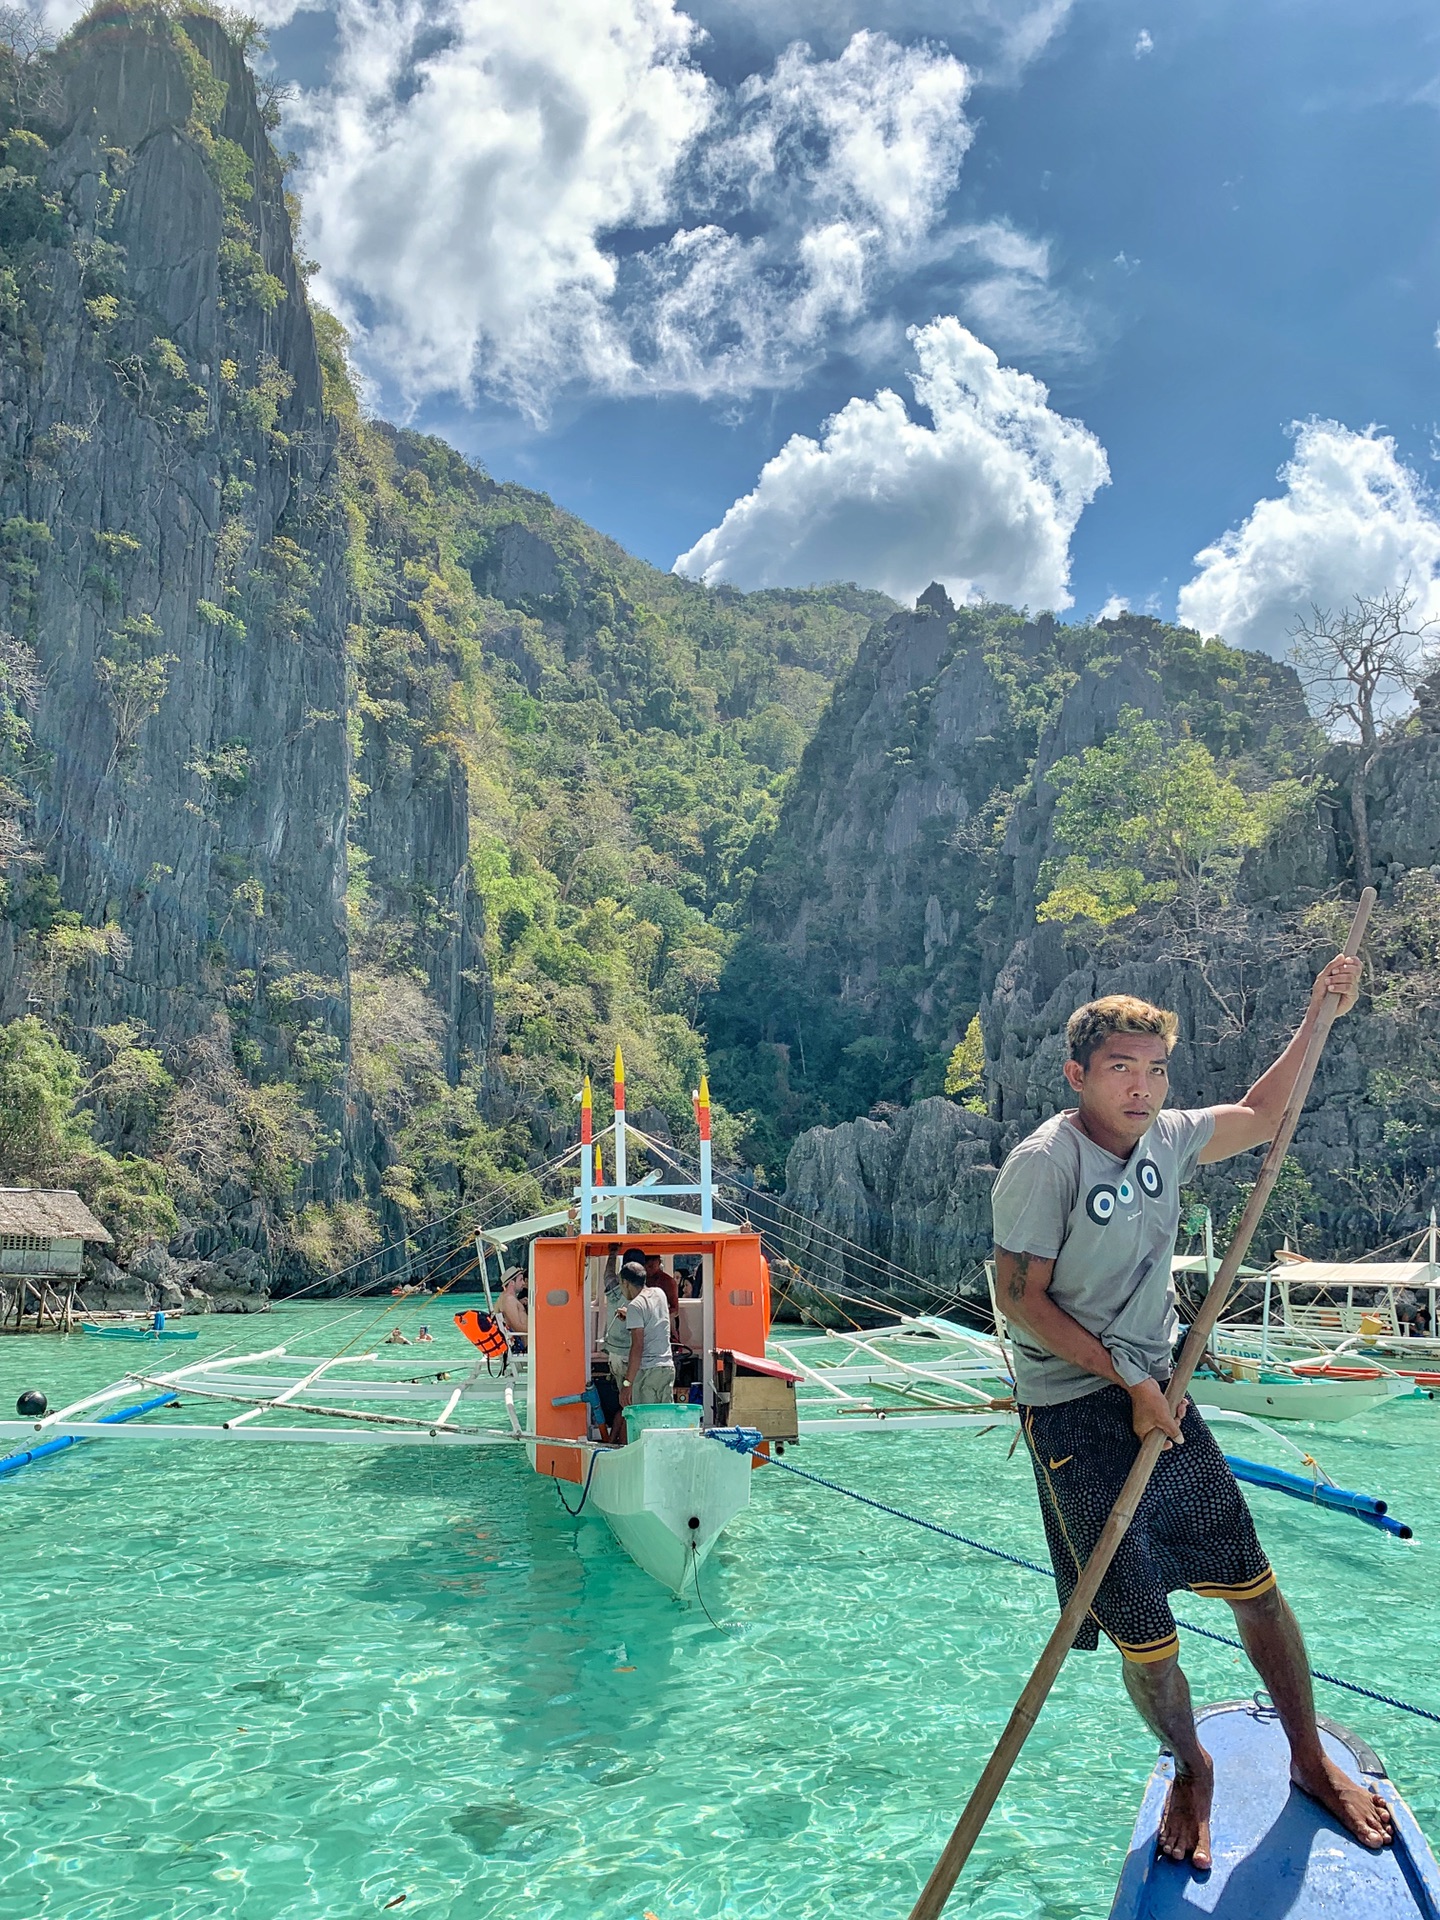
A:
[(1194, 225)]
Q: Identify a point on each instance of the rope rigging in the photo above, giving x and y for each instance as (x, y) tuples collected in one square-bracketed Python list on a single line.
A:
[(434, 1255), (886, 1271)]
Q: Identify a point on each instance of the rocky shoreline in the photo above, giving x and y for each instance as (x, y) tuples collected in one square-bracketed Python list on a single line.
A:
[(234, 1282)]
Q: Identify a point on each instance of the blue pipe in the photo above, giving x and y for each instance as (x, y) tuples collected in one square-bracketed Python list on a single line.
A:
[(1364, 1506), (1387, 1523), (13, 1462)]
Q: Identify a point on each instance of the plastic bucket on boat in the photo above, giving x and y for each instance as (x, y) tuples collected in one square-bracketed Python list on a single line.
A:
[(667, 1414)]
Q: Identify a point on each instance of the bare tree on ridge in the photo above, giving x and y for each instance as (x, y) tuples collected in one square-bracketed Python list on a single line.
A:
[(1349, 662)]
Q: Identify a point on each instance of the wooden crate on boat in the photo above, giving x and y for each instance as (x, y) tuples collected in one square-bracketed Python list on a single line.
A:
[(760, 1399)]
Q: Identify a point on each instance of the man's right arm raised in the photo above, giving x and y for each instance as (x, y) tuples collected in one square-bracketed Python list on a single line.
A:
[(1022, 1285)]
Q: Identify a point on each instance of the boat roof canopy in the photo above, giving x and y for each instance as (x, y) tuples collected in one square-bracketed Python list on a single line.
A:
[(646, 1212), (1358, 1273)]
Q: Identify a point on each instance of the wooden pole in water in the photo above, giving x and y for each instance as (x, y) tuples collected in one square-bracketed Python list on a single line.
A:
[(938, 1887)]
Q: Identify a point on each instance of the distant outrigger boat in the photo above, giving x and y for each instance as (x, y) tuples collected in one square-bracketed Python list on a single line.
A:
[(1256, 1370), (1370, 1326), (137, 1333)]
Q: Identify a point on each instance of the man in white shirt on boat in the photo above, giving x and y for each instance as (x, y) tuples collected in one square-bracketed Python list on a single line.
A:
[(1086, 1213), (649, 1377)]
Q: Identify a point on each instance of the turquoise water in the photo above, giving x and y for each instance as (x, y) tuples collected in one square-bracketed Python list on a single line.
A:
[(289, 1681)]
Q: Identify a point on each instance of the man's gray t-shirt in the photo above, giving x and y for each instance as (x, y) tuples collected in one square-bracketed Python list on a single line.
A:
[(1109, 1224), (649, 1312)]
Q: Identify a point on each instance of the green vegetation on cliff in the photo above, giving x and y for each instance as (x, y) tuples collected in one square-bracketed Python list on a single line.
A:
[(626, 738), (47, 1121), (372, 800)]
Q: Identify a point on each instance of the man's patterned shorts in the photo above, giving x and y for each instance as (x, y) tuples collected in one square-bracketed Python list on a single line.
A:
[(1193, 1531)]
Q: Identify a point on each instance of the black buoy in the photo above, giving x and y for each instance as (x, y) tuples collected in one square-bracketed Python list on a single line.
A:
[(31, 1404)]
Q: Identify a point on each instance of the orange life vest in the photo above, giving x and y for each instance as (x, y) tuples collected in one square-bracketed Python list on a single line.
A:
[(484, 1331)]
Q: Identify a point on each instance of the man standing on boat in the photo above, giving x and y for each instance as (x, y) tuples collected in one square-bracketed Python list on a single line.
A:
[(1086, 1213), (649, 1378)]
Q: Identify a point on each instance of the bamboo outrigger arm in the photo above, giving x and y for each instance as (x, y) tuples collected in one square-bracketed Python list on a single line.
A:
[(938, 1887)]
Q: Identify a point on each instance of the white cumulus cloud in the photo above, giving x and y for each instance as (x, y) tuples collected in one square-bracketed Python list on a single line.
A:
[(522, 198), (1352, 519), (823, 181), (985, 499), (463, 168)]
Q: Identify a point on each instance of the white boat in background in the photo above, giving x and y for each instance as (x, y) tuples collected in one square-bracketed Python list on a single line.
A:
[(1362, 1308), (1274, 1395)]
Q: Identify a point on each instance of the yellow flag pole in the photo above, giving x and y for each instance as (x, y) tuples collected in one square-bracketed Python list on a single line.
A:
[(938, 1887)]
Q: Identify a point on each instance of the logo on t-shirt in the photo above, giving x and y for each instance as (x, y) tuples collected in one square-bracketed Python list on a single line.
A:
[(1103, 1199), (1100, 1204)]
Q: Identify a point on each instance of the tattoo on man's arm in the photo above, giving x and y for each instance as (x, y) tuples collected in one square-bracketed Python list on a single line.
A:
[(1016, 1285)]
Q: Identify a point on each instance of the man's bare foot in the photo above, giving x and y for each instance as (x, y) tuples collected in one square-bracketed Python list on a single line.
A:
[(1360, 1810), (1185, 1823)]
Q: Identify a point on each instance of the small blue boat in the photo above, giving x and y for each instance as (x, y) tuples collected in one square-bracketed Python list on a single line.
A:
[(135, 1333), (1277, 1854)]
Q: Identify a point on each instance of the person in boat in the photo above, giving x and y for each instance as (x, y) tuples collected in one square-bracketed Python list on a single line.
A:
[(617, 1335), (513, 1306), (649, 1376), (1086, 1214), (657, 1276), (395, 1338), (690, 1282)]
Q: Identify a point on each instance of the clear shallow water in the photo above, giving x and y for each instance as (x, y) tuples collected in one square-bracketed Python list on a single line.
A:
[(275, 1682)]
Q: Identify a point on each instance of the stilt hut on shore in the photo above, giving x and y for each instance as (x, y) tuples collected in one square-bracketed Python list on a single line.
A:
[(43, 1233)]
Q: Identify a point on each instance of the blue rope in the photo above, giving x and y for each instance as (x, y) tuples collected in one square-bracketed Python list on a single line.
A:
[(1316, 1673), (899, 1513), (1034, 1566)]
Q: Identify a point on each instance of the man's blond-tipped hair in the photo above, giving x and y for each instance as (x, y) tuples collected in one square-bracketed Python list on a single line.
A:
[(1117, 1013)]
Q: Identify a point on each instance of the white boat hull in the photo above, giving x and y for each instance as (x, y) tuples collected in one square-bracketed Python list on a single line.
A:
[(652, 1490), (1293, 1399)]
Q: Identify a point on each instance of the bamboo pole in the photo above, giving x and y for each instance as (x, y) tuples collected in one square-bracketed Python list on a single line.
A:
[(938, 1887)]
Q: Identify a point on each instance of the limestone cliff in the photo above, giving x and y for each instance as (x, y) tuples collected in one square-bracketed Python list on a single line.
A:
[(904, 864), (918, 920), (174, 553)]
